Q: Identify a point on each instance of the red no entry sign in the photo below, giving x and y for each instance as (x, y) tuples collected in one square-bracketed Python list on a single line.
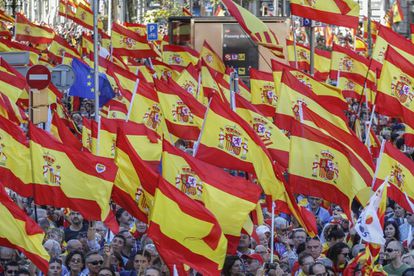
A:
[(38, 77)]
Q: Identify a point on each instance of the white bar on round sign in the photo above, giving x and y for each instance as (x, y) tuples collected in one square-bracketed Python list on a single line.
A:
[(38, 77)]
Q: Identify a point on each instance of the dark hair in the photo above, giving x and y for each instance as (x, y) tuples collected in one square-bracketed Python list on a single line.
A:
[(107, 268), (11, 263), (301, 248), (23, 271), (228, 264), (70, 256), (55, 260), (303, 256), (334, 231), (395, 225), (335, 250), (119, 213), (146, 254), (121, 237)]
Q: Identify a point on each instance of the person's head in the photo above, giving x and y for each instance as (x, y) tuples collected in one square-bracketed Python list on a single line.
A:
[(123, 218), (305, 261), (74, 245), (391, 230), (23, 272), (116, 260), (118, 243), (75, 218), (11, 268), (55, 234), (263, 239), (393, 250), (357, 248), (100, 229), (141, 261), (152, 271), (408, 272), (128, 238), (262, 251), (233, 266), (53, 248), (410, 218), (281, 226), (399, 211), (244, 242), (75, 261), (105, 271), (334, 234), (408, 259), (314, 202), (94, 262), (253, 262), (298, 236), (55, 267), (317, 269), (339, 253), (141, 226), (314, 247)]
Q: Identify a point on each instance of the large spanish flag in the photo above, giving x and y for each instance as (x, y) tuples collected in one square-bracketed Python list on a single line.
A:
[(12, 46), (336, 12), (65, 177), (395, 87), (263, 91), (127, 43), (211, 58), (179, 55), (15, 166), (67, 8), (399, 169), (352, 74), (255, 28), (320, 166), (12, 83), (302, 59), (128, 190), (276, 142), (185, 232), (183, 114), (20, 232), (28, 31), (84, 17), (189, 80), (229, 198), (61, 132), (59, 48), (106, 138)]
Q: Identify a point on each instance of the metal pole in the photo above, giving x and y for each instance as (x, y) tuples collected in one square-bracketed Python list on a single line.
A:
[(96, 57), (312, 48), (369, 29), (109, 16)]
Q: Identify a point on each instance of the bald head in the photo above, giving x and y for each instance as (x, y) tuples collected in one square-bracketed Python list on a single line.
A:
[(74, 245)]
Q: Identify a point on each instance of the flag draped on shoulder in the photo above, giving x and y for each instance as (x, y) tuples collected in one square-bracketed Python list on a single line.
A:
[(189, 235), (20, 232), (337, 12), (255, 28), (65, 177), (229, 198)]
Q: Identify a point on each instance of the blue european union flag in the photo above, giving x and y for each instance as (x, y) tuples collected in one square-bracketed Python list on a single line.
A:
[(84, 85)]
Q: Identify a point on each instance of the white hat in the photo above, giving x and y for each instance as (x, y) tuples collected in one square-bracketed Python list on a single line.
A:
[(262, 229)]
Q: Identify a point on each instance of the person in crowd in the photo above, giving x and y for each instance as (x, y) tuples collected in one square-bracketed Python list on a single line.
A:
[(11, 268), (152, 271), (339, 254), (53, 248), (124, 219), (321, 214), (407, 227), (391, 230), (399, 214), (314, 247), (305, 261), (393, 256), (55, 267), (408, 259), (233, 266), (94, 262), (244, 245), (333, 234), (252, 263), (105, 271), (76, 226), (141, 261), (317, 269), (75, 262)]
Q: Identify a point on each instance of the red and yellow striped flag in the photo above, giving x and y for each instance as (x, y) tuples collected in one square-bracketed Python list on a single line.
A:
[(127, 43), (320, 166), (28, 31), (128, 190), (189, 79), (84, 17), (12, 83), (165, 71), (255, 28), (189, 235), (11, 46), (179, 55), (397, 12), (65, 177), (61, 132), (211, 58), (302, 59), (229, 198), (67, 8), (20, 232), (60, 48), (183, 114), (395, 88), (106, 134), (374, 29), (337, 12), (263, 91), (138, 28), (12, 111), (5, 17)]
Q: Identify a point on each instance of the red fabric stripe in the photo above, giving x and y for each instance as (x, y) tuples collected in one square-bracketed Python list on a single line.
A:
[(183, 132), (396, 39), (13, 130), (135, 53), (342, 6)]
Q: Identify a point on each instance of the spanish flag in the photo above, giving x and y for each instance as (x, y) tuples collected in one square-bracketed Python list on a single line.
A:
[(211, 58), (230, 199), (138, 28), (375, 25), (209, 85), (65, 177), (106, 138), (5, 17), (387, 37), (361, 46), (67, 8), (183, 114), (395, 166), (338, 12), (11, 46), (263, 91), (127, 43), (276, 142), (61, 132), (87, 133), (165, 71), (28, 31), (84, 17), (302, 59), (20, 232), (12, 111), (255, 28), (351, 72), (179, 55), (4, 31), (189, 80), (189, 235), (397, 12), (320, 166), (15, 166), (59, 48), (128, 190), (394, 96), (12, 83)]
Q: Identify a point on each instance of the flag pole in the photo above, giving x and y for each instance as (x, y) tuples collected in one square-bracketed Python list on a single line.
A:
[(312, 49), (369, 125), (96, 58), (379, 159), (369, 29), (294, 40), (272, 237), (109, 17), (195, 147), (132, 100)]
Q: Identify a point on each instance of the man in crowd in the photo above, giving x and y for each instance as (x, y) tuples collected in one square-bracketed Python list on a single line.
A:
[(393, 254)]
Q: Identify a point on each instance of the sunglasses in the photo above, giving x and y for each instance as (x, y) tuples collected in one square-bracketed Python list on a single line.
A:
[(96, 263), (12, 271), (390, 250)]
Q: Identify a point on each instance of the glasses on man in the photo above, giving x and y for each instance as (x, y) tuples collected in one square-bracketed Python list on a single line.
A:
[(390, 250)]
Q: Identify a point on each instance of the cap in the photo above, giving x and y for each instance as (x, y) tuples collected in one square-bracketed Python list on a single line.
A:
[(262, 229), (254, 256)]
